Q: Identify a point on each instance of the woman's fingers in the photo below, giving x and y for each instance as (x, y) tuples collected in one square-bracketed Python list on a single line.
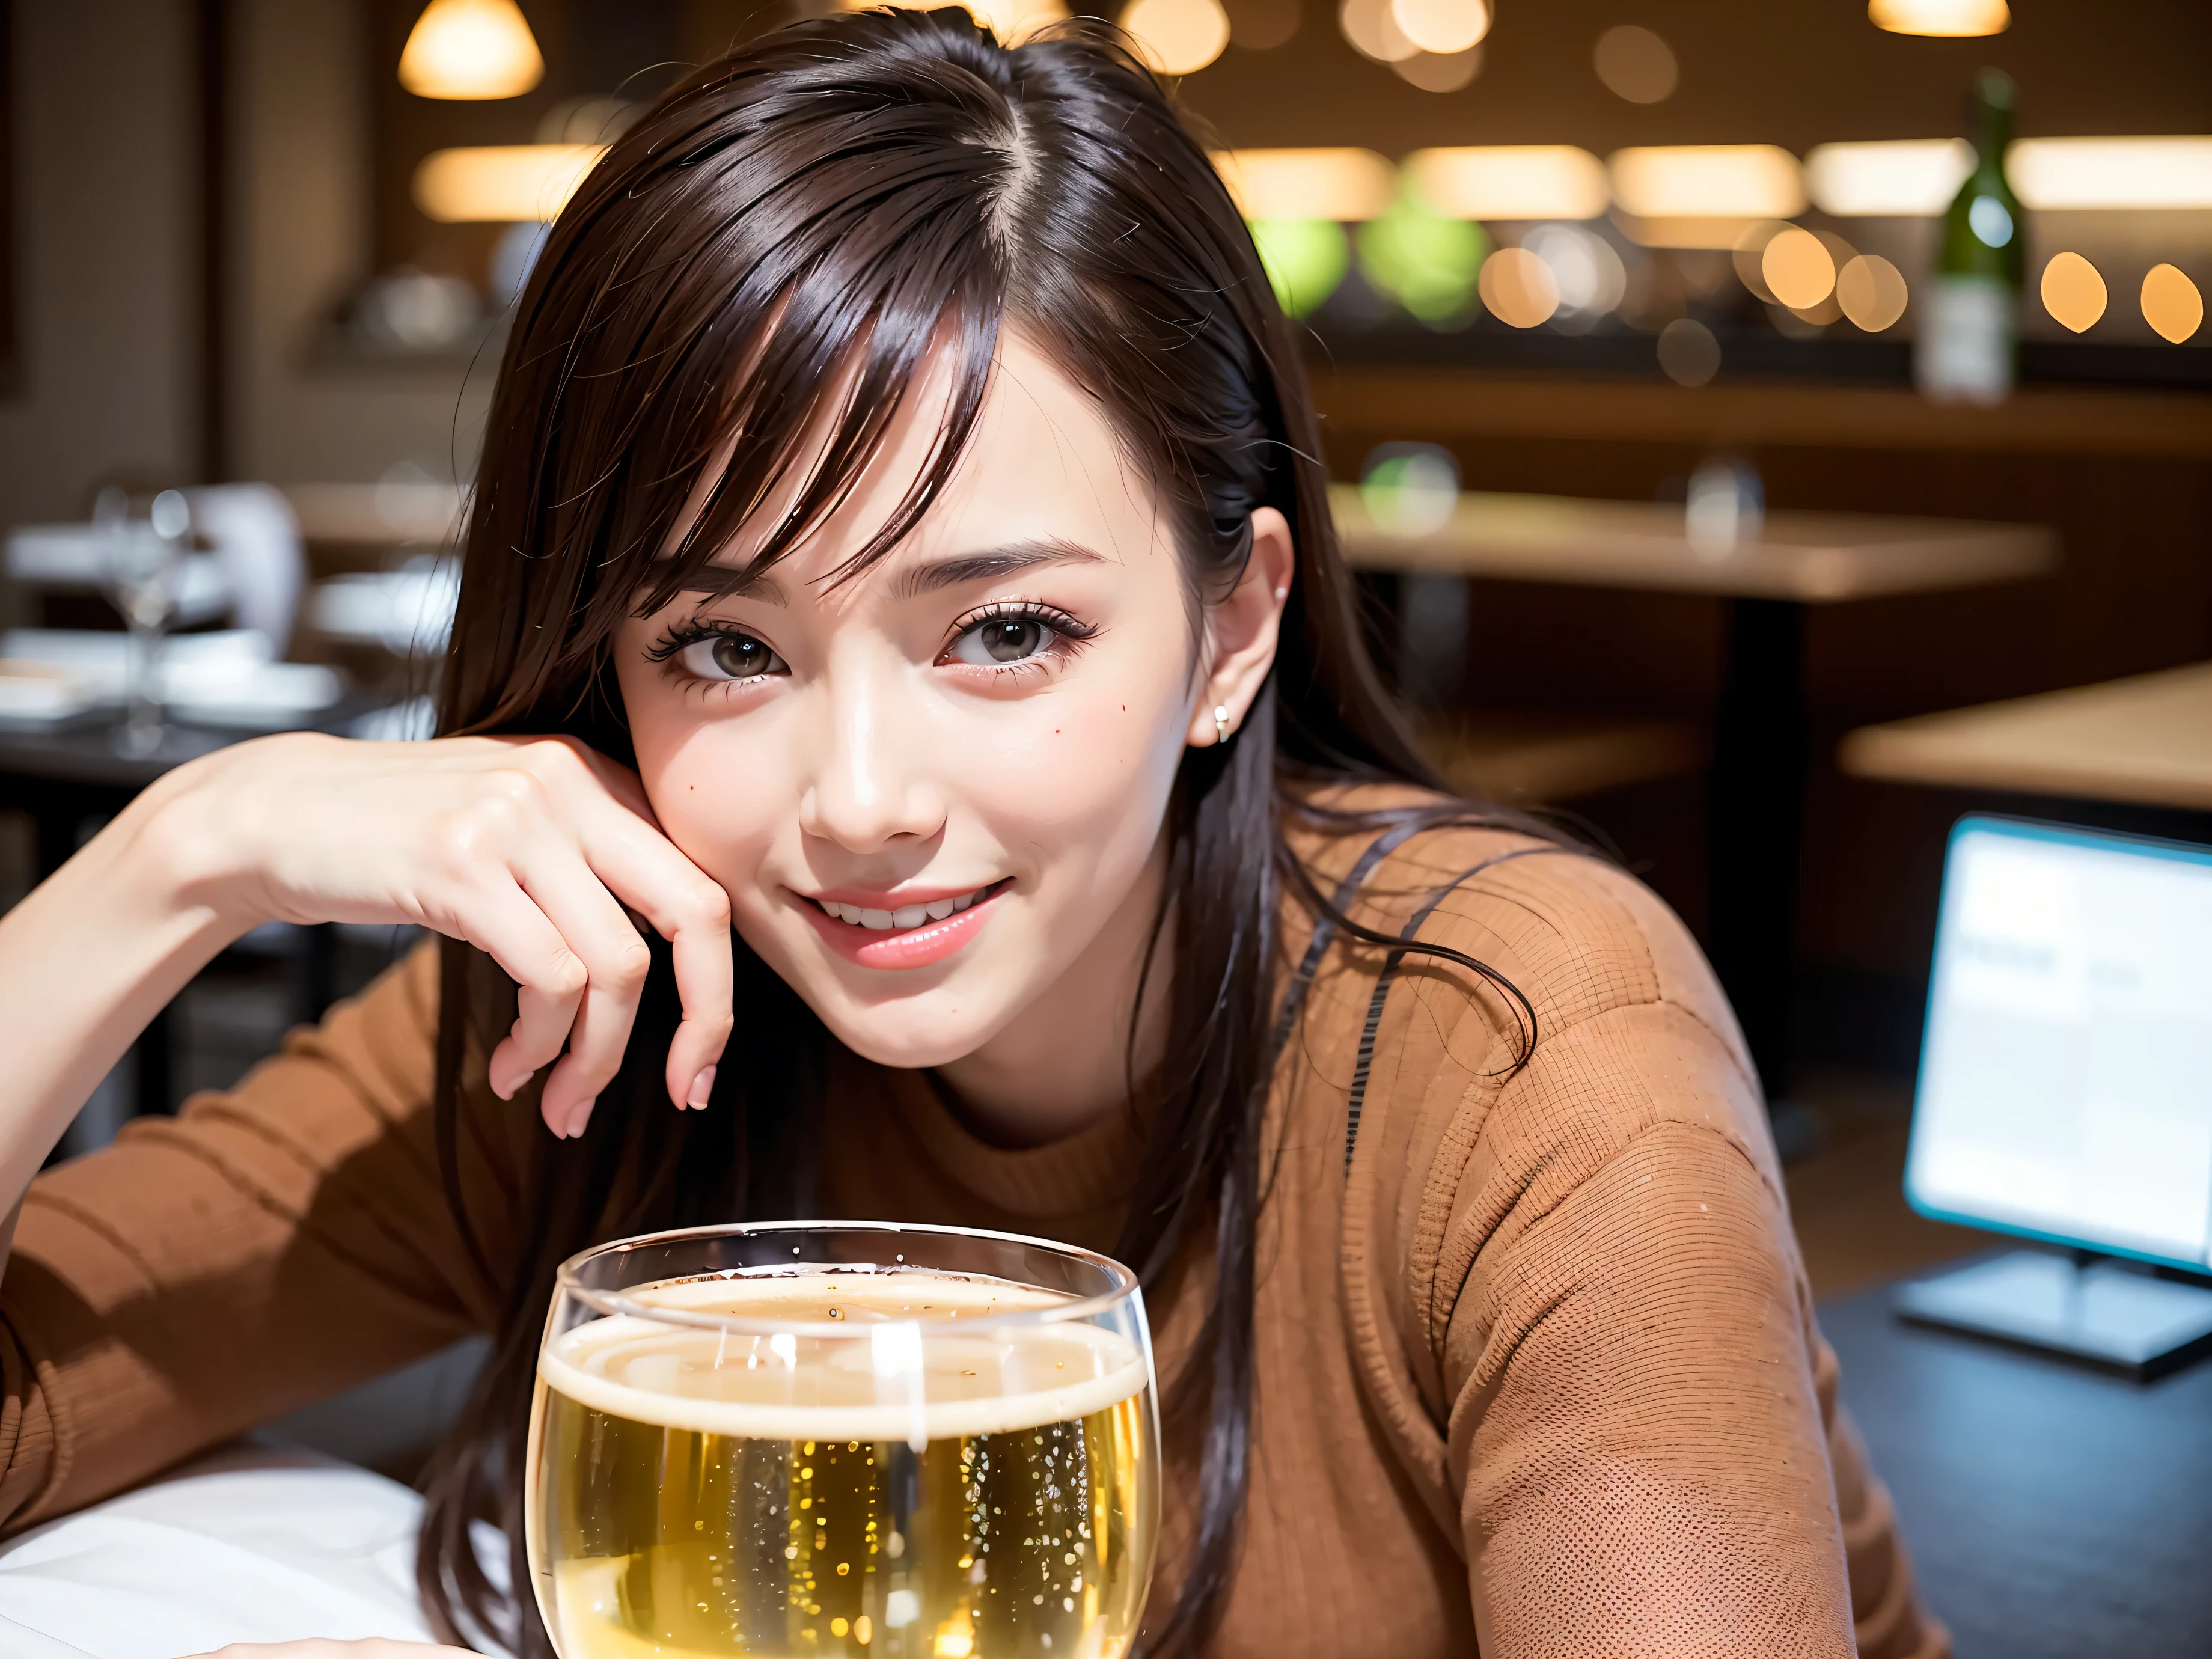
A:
[(577, 902), (496, 916), (688, 909), (541, 858)]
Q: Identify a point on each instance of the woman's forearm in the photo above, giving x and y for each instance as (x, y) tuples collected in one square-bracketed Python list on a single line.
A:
[(88, 960)]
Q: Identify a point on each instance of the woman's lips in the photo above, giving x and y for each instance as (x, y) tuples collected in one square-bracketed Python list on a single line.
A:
[(932, 941)]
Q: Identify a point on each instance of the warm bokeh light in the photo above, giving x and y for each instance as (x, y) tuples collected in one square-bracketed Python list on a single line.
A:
[(1871, 291), (1688, 353), (1750, 248), (2073, 291), (1423, 259), (2111, 172), (1373, 31), (2171, 304), (1178, 37), (1010, 20), (1343, 184), (470, 50), (1707, 181), (1442, 26), (1591, 278), (1913, 177), (1798, 269), (501, 182), (1262, 25), (1017, 20), (1636, 65), (1434, 72), (1305, 259), (1953, 17), (1512, 181), (1519, 287)]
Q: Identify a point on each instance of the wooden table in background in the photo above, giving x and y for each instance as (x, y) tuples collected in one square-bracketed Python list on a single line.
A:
[(1759, 744), (2146, 740)]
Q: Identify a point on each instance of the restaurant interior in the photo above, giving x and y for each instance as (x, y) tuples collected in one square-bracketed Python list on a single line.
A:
[(1808, 407)]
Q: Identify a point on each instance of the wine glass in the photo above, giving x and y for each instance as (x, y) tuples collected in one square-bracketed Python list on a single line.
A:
[(145, 569), (843, 1438)]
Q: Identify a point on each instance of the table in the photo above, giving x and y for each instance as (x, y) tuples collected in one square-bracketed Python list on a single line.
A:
[(252, 1542), (1793, 561), (2146, 740), (2053, 1511), (62, 776)]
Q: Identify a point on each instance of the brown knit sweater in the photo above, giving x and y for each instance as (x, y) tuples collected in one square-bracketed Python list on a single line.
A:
[(1537, 1367)]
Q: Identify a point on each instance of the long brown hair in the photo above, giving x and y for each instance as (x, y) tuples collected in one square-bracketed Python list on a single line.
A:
[(774, 249)]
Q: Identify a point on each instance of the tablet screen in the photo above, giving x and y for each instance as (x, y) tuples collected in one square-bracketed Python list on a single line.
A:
[(2066, 1074)]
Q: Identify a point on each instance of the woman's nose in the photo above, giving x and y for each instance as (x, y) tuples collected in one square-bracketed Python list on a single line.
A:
[(869, 781)]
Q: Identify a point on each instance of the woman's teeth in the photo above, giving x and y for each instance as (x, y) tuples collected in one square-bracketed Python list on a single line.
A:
[(906, 915)]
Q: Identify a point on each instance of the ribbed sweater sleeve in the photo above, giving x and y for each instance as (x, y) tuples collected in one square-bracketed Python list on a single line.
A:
[(1640, 1432), (269, 1246)]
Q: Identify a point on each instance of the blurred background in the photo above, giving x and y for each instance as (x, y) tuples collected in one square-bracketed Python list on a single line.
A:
[(1764, 434), (1623, 319)]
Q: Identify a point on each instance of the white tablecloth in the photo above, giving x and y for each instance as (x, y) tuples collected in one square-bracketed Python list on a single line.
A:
[(252, 1543)]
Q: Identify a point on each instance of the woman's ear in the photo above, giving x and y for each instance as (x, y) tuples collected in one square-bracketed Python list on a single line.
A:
[(1241, 632)]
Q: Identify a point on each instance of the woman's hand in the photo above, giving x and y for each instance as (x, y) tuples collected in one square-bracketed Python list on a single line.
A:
[(374, 1647), (528, 848)]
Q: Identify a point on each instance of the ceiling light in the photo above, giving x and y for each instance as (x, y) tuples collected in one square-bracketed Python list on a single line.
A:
[(512, 183), (2112, 173), (1707, 181), (1912, 178), (1950, 17), (1511, 182), (1178, 37), (1343, 184), (470, 49)]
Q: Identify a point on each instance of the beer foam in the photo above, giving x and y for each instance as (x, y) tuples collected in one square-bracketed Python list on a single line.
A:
[(889, 1379)]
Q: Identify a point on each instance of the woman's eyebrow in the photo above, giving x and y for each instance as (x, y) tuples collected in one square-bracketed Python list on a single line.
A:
[(990, 565), (720, 581)]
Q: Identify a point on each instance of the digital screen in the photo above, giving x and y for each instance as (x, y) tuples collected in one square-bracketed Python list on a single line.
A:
[(2066, 1075)]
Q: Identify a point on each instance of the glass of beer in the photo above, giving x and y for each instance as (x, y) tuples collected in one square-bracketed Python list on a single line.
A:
[(843, 1438)]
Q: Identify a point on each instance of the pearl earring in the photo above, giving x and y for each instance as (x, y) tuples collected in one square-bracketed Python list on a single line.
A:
[(1220, 723)]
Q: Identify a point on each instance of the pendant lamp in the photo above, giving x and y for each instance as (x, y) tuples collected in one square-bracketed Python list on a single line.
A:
[(470, 49)]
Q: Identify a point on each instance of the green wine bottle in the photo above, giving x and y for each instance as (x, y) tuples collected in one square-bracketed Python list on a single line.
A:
[(1964, 345)]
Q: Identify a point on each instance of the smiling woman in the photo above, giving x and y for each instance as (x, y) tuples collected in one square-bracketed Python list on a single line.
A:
[(907, 714)]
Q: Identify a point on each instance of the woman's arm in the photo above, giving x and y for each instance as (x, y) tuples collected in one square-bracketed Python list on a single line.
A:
[(1642, 1428), (529, 850)]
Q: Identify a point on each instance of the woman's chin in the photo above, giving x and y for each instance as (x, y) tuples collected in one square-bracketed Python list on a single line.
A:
[(912, 1035)]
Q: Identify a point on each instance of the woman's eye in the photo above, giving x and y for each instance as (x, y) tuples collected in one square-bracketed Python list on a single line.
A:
[(998, 641), (729, 657)]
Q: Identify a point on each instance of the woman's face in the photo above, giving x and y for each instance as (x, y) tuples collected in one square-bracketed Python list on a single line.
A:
[(935, 793)]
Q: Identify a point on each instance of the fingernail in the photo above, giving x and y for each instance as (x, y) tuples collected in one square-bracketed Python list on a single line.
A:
[(703, 1087), (581, 1116)]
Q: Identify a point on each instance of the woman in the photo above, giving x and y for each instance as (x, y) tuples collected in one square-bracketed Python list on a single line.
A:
[(899, 539)]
